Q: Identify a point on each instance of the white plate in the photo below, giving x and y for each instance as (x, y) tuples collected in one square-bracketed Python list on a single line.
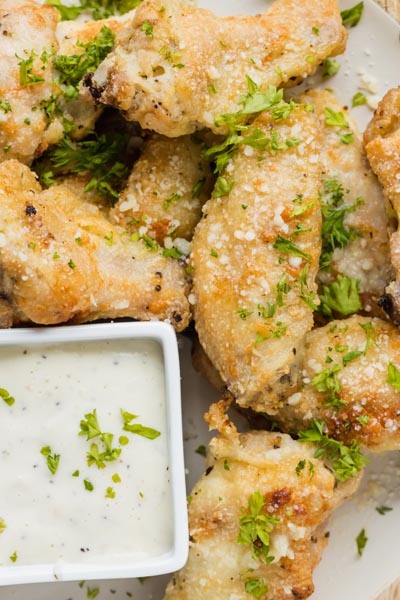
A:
[(373, 48)]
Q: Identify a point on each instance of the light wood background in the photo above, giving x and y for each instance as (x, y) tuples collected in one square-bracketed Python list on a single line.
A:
[(393, 8)]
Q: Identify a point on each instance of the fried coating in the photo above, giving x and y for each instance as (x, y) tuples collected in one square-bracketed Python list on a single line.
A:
[(343, 379), (166, 190), (81, 113), (175, 68), (27, 31), (62, 260), (255, 256), (382, 144), (238, 467), (366, 257)]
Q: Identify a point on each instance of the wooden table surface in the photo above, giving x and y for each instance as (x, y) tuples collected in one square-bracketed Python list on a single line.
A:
[(393, 8)]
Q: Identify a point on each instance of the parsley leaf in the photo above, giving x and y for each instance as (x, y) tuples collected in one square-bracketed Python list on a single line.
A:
[(26, 74), (52, 460), (5, 395), (3, 525), (201, 450), (91, 429), (382, 510), (255, 528), (68, 13), (5, 106), (327, 382), (341, 297), (358, 99), (147, 432), (393, 376), (361, 541), (74, 67), (330, 68), (102, 156), (352, 15), (100, 9), (345, 461), (337, 119), (288, 247), (256, 587)]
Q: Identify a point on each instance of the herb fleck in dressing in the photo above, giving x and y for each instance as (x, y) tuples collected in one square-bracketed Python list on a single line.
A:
[(49, 513)]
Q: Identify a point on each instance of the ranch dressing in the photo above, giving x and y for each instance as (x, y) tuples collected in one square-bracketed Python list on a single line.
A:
[(53, 518)]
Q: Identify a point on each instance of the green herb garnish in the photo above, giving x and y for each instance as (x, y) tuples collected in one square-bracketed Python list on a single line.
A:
[(52, 460), (255, 528), (361, 541), (147, 432)]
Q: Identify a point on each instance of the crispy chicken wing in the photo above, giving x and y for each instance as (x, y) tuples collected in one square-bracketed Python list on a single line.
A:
[(27, 34), (166, 190), (349, 182), (62, 260), (382, 143), (176, 68), (255, 256), (254, 474), (349, 377)]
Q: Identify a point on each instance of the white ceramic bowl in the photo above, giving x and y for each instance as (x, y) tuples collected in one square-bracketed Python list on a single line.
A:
[(102, 567)]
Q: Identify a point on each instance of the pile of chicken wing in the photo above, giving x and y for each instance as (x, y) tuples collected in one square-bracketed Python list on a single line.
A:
[(162, 165)]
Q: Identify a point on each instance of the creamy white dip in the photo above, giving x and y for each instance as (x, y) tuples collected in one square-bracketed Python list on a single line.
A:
[(53, 518)]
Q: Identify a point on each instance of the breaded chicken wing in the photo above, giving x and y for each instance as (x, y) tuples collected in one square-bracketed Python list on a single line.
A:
[(175, 68), (27, 34), (349, 377), (382, 144), (255, 478), (351, 188), (255, 256), (62, 260), (166, 190)]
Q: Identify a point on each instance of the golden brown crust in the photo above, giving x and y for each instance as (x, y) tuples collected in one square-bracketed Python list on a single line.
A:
[(382, 144), (239, 275), (160, 199), (64, 261), (192, 66), (238, 465), (27, 30), (370, 409), (366, 257)]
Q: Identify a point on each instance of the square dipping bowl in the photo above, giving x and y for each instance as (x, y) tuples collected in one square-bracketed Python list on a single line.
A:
[(91, 453)]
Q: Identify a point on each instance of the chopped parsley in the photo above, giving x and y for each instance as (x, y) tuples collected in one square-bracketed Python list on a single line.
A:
[(5, 106), (255, 528), (393, 376), (330, 67), (110, 493), (363, 420), (243, 313), (300, 466), (256, 587), (147, 27), (147, 432), (88, 485), (71, 69), (341, 297), (222, 187), (361, 541), (327, 382), (226, 465), (89, 427), (52, 460), (3, 525), (358, 99), (172, 199), (102, 156), (5, 395), (201, 450), (198, 187), (335, 234), (345, 461), (92, 592), (100, 9), (382, 510), (352, 355), (286, 246), (253, 103), (14, 557), (352, 15), (26, 74), (337, 119)]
